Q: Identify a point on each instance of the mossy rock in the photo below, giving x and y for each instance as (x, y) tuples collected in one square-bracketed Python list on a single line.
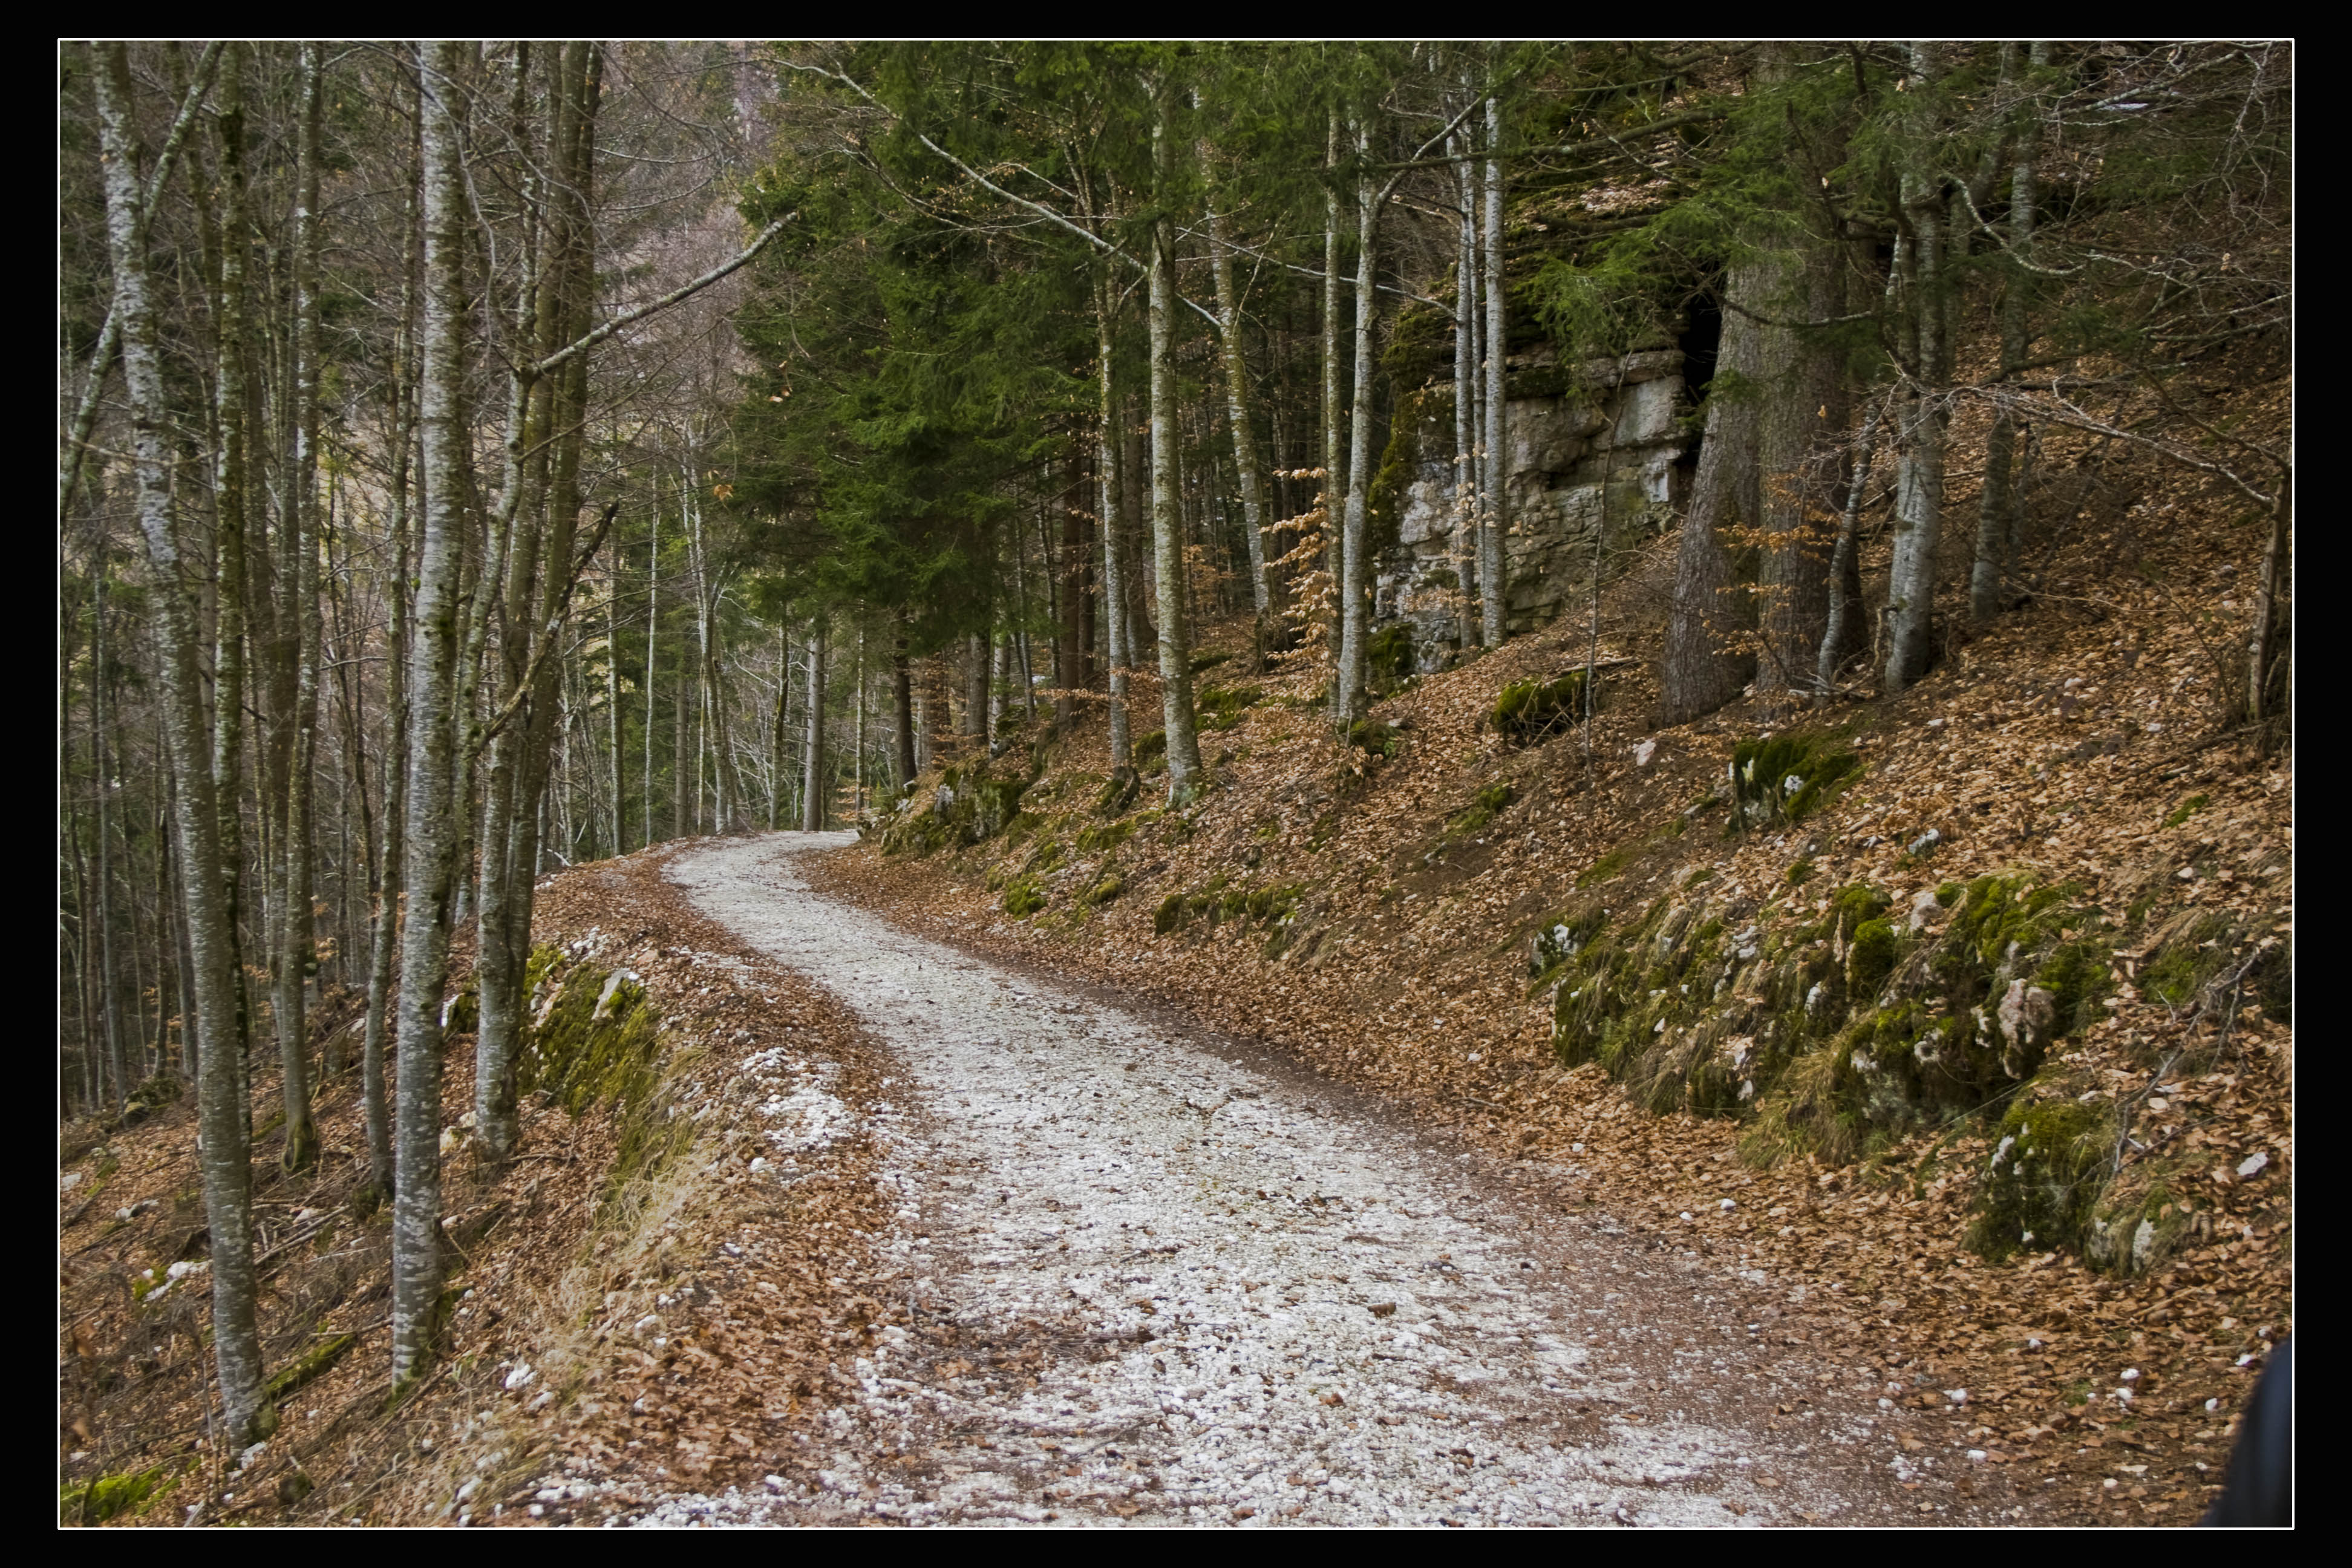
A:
[(594, 1045), (1221, 707), (1373, 736), (1785, 778), (1108, 888), (1389, 656), (2044, 1178), (1871, 957), (1527, 711), (108, 1497), (1103, 837), (1168, 916), (1024, 897), (1119, 791), (1608, 865)]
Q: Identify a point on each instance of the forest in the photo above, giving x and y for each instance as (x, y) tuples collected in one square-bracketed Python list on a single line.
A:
[(1327, 537)]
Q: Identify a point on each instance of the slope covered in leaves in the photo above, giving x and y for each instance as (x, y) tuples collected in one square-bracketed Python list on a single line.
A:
[(1978, 1040)]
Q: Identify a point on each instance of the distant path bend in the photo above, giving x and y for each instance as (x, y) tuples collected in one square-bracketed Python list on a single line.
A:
[(1164, 1276)]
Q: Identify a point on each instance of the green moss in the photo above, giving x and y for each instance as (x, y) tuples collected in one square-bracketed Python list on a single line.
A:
[(1168, 916), (2185, 810), (1527, 711), (2042, 1179), (1374, 736), (1785, 778), (1024, 897), (1103, 890), (329, 1349), (1800, 873), (1102, 839), (1484, 807), (1389, 656), (1151, 752), (1608, 865), (1871, 957), (107, 1497), (1221, 707), (595, 1044)]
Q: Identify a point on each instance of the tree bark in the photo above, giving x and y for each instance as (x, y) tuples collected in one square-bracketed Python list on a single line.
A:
[(1843, 633), (1703, 666), (1110, 487), (1354, 573), (1496, 510), (1237, 409), (813, 755), (1919, 485), (1185, 780), (1468, 623), (432, 825), (902, 708), (224, 1157), (1998, 501)]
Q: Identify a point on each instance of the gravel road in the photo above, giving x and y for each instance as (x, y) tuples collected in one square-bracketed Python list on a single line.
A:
[(1169, 1278)]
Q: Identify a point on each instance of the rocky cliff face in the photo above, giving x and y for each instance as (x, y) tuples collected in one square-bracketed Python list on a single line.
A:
[(1596, 461)]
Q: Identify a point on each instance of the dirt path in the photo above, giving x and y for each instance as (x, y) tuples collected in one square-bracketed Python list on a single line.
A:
[(1166, 1278)]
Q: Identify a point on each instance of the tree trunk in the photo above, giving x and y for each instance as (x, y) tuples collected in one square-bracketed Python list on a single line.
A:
[(1467, 625), (1998, 501), (1843, 635), (433, 815), (1237, 409), (1496, 510), (1184, 781), (1110, 485), (1804, 402), (813, 755), (1704, 666), (1354, 569), (902, 708), (1919, 485), (1335, 456), (224, 1157)]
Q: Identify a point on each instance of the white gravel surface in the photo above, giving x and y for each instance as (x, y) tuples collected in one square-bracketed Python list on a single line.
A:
[(1189, 1283)]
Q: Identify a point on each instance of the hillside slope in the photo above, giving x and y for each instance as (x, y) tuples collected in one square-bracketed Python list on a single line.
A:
[(1979, 1037)]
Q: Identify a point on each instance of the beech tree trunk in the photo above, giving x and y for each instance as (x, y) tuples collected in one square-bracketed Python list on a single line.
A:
[(1237, 410), (813, 753), (433, 829), (1468, 612), (1496, 510), (1185, 780), (1354, 606), (2000, 502), (1919, 483), (223, 1156), (1704, 664), (1110, 487)]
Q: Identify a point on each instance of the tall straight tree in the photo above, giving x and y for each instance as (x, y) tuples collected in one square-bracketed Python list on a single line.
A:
[(430, 873), (1184, 777), (1496, 513), (1926, 412), (1704, 664), (224, 1154)]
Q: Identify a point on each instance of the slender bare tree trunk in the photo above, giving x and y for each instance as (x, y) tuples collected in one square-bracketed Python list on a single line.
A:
[(2000, 495), (224, 1157), (434, 824), (1110, 487), (1185, 780), (1238, 408), (1467, 623), (1496, 510), (902, 708), (1919, 485), (1354, 569), (813, 755), (1335, 458), (1844, 634), (2270, 593)]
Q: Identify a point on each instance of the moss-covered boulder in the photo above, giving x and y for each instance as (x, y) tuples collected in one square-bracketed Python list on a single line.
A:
[(2042, 1178), (1785, 778), (1527, 711)]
